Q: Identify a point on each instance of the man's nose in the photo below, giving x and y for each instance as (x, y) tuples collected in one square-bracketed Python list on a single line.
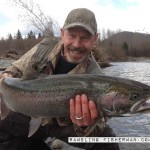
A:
[(77, 42)]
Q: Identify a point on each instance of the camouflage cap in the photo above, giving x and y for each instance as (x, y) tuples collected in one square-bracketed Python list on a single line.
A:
[(81, 17)]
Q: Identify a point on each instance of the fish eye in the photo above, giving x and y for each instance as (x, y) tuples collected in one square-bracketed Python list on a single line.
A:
[(134, 96)]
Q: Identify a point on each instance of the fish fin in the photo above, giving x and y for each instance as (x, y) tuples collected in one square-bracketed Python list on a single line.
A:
[(88, 130), (109, 113), (100, 121), (45, 121), (4, 109), (35, 123)]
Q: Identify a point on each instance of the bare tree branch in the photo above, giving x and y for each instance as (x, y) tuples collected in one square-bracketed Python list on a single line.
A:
[(35, 16)]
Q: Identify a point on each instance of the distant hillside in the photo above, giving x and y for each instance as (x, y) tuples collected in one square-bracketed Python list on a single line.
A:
[(131, 43), (132, 38)]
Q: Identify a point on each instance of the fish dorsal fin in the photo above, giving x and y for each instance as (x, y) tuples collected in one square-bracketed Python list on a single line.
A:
[(4, 109), (35, 123)]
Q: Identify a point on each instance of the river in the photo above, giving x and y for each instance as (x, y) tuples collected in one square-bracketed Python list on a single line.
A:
[(136, 126)]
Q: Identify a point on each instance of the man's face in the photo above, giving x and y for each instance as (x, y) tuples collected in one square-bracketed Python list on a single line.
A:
[(78, 43)]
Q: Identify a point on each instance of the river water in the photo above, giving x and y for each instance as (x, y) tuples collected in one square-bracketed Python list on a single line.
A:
[(136, 126)]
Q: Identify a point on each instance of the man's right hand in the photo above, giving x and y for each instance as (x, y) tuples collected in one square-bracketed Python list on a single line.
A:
[(6, 75), (2, 76)]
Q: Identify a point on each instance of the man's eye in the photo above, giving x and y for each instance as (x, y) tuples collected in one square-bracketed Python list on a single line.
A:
[(71, 35), (85, 39)]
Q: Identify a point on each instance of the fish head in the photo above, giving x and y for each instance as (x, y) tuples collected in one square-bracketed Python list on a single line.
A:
[(126, 98)]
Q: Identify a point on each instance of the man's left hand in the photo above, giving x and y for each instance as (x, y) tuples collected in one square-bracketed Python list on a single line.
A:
[(83, 112)]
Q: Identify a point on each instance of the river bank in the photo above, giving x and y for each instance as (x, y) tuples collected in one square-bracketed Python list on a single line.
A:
[(109, 63), (132, 59)]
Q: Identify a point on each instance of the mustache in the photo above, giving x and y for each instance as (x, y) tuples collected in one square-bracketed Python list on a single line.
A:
[(77, 49)]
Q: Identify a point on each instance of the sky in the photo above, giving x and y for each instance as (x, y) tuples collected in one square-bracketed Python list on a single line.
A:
[(124, 15)]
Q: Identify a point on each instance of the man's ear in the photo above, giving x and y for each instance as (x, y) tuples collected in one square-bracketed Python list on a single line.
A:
[(95, 36), (62, 32)]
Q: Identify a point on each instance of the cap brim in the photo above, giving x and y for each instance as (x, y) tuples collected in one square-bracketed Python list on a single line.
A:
[(80, 25)]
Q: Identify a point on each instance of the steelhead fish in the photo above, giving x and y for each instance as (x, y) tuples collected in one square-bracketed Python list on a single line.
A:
[(49, 96)]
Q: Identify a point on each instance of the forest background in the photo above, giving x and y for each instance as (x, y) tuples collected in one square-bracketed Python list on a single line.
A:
[(111, 45)]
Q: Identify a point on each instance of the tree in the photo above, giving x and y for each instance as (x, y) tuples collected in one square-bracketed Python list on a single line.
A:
[(18, 35), (39, 35), (35, 17), (125, 47), (10, 37), (31, 35), (109, 33)]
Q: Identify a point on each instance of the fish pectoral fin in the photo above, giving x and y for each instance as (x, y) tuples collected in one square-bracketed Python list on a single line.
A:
[(100, 121), (35, 123), (4, 109), (45, 122)]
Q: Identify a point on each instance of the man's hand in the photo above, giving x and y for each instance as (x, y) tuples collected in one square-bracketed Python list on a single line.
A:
[(4, 75), (82, 111)]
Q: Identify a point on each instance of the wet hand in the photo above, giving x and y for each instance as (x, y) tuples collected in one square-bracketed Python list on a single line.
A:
[(83, 112), (2, 76)]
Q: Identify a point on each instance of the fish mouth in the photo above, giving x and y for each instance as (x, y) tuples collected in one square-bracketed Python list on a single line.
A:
[(140, 107)]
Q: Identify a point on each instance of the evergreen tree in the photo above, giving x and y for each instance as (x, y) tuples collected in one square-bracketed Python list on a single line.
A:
[(31, 35), (10, 37), (39, 35), (125, 47), (18, 36)]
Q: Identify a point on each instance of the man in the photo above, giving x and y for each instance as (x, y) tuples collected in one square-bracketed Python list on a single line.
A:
[(71, 55)]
